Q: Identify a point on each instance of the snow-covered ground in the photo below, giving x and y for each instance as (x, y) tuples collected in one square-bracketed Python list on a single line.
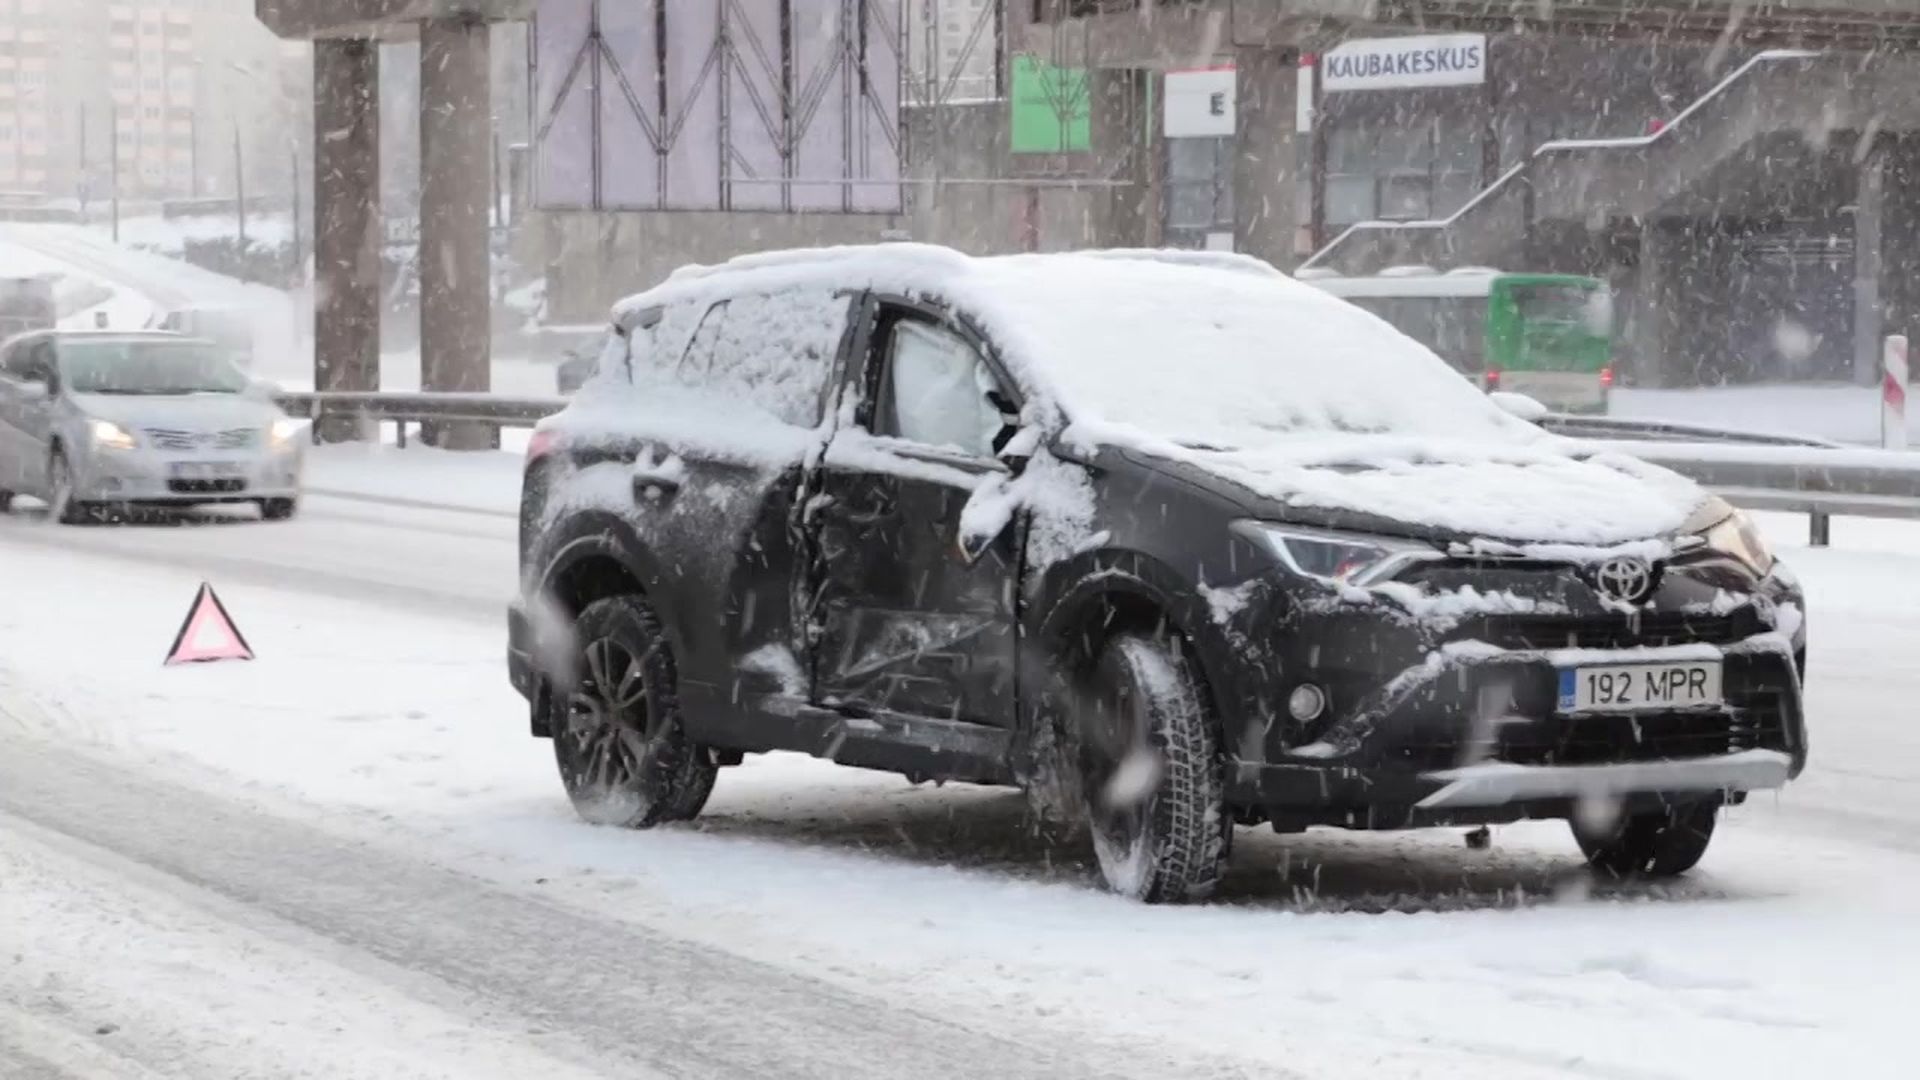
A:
[(375, 752), (347, 858), (1839, 412)]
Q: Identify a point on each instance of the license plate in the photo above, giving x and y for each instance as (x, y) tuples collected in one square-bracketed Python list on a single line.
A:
[(204, 470), (1685, 684)]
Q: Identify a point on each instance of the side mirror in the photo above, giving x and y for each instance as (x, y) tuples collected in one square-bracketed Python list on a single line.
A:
[(1519, 405), (264, 389), (1008, 445)]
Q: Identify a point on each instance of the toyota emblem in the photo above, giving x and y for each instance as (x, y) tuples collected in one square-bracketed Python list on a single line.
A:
[(1625, 578)]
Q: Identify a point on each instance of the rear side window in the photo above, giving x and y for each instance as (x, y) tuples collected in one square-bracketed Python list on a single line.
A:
[(774, 350)]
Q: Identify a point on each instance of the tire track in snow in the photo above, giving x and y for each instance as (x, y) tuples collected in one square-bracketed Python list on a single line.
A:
[(620, 992)]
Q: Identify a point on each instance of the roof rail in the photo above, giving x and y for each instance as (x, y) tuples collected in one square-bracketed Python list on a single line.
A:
[(933, 255), (1212, 260)]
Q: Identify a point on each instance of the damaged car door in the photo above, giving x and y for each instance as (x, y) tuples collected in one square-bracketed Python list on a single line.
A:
[(907, 619)]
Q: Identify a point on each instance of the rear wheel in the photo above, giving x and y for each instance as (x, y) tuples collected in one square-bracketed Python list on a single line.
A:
[(1660, 844), (6, 501), (623, 753), (1151, 773), (278, 509)]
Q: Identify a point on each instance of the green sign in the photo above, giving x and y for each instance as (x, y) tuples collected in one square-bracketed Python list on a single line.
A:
[(1050, 113)]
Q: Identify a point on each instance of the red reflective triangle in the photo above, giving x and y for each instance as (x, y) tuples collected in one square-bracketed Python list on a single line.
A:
[(208, 633)]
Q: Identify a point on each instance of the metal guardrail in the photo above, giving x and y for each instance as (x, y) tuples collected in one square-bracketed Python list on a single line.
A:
[(1579, 426), (405, 407), (1753, 470)]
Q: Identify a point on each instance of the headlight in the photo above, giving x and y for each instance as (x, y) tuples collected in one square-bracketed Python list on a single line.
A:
[(282, 432), (108, 435), (1334, 557), (1738, 538)]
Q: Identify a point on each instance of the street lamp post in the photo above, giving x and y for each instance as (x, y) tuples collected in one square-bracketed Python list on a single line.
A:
[(239, 191)]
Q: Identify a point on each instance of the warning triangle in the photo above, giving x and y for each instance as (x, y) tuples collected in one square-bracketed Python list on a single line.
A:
[(208, 633)]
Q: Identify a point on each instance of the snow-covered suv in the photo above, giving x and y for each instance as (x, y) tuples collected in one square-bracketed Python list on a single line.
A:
[(1170, 539)]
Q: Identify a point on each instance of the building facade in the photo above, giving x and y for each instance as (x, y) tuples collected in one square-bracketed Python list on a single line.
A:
[(149, 96)]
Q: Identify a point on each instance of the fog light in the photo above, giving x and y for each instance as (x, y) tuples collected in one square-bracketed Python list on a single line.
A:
[(1306, 702)]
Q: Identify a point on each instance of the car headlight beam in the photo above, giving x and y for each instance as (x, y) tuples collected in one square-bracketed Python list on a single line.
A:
[(1738, 538), (108, 435), (1336, 558)]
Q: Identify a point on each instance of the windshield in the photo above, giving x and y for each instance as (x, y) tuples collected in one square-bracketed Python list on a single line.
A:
[(1217, 358), (147, 367)]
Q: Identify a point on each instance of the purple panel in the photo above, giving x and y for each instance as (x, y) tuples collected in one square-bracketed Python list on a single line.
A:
[(876, 139), (755, 130), (630, 162), (822, 80), (563, 158), (693, 107)]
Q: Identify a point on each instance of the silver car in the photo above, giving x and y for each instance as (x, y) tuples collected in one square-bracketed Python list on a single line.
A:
[(94, 420)]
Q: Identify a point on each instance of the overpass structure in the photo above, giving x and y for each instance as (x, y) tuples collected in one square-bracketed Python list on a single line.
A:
[(1263, 38), (455, 195)]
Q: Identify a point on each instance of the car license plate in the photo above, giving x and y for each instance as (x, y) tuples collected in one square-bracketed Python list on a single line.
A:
[(204, 470), (1682, 684)]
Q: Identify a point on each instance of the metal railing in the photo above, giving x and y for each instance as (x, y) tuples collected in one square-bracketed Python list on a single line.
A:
[(402, 408), (1757, 471)]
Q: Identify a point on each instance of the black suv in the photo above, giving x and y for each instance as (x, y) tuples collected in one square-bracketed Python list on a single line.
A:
[(1172, 541)]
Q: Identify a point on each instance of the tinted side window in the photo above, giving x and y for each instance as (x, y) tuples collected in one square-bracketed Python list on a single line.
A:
[(936, 390), (775, 351)]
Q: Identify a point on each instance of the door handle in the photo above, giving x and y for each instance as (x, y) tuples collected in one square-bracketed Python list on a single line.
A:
[(655, 487)]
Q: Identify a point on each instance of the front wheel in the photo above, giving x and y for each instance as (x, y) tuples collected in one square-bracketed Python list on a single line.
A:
[(623, 753), (1151, 774), (61, 505), (1661, 844), (278, 509), (6, 501)]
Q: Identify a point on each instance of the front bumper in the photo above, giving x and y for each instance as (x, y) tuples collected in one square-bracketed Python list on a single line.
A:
[(1442, 720), (147, 476)]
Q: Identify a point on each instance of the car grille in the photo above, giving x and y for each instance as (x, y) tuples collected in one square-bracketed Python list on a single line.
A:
[(175, 439), (1751, 721), (1621, 631)]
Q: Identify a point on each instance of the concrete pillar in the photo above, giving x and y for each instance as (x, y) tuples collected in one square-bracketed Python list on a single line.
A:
[(456, 318), (1121, 136), (1266, 166), (346, 222), (1869, 218)]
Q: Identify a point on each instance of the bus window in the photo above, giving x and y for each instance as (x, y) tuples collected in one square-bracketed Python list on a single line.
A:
[(1566, 305)]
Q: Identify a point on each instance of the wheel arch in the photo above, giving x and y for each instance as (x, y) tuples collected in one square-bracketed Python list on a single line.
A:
[(1102, 594), (593, 557)]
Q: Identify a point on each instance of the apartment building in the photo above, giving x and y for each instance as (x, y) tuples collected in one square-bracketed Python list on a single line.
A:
[(148, 95), (28, 102)]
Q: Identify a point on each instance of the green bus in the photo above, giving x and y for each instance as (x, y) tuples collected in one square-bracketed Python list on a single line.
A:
[(1548, 336)]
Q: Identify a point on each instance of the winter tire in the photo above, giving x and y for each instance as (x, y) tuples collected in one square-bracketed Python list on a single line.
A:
[(278, 509), (6, 501), (1656, 845), (617, 736), (61, 505), (1151, 774)]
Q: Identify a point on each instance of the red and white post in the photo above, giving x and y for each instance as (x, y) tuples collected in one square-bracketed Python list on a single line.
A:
[(1893, 393)]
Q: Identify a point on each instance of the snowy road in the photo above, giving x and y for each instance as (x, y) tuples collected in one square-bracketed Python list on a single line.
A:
[(360, 813), (347, 859)]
